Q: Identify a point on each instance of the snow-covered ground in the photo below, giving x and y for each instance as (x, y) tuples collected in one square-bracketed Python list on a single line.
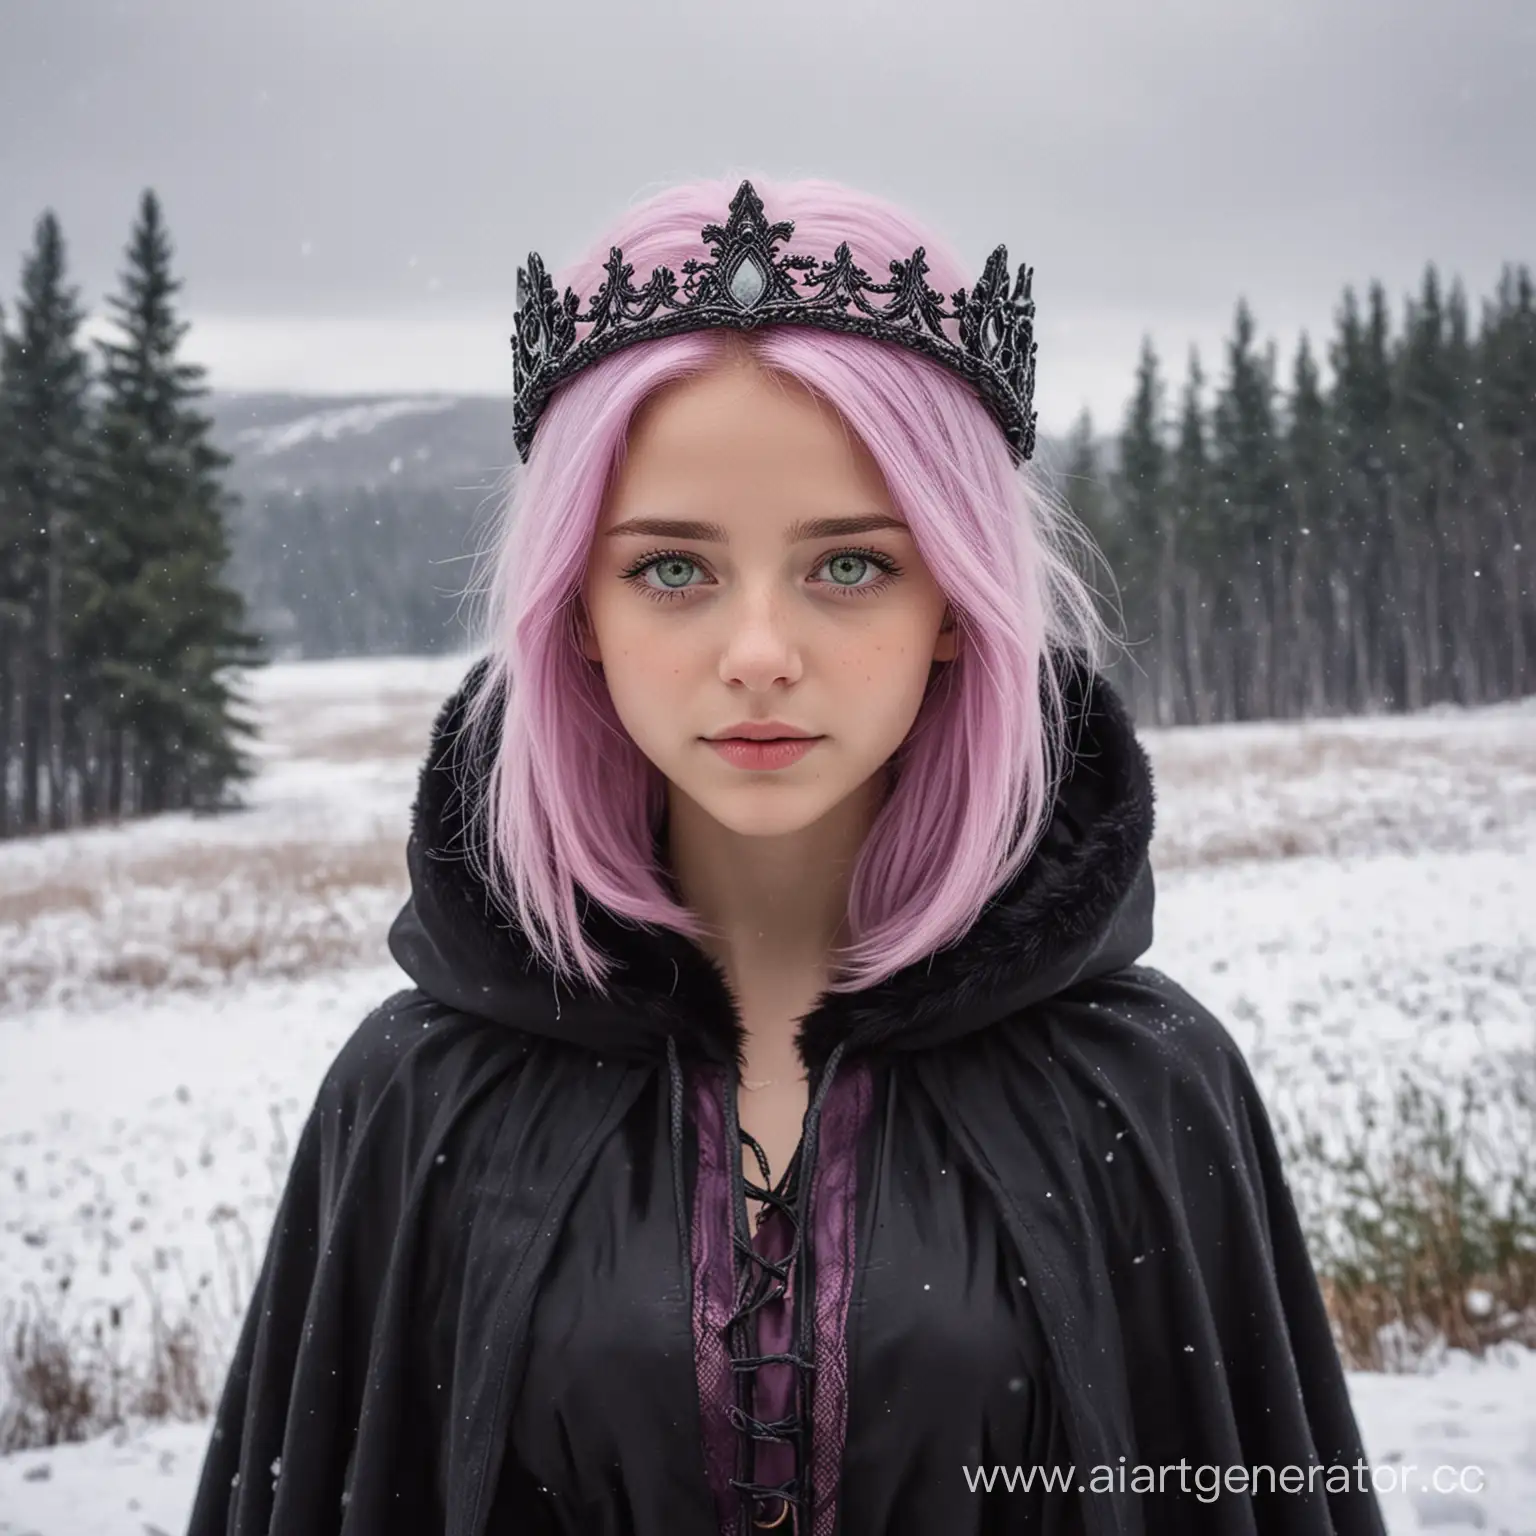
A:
[(1353, 898)]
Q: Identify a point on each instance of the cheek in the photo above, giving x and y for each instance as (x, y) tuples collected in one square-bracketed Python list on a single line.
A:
[(652, 673), (652, 651), (624, 626), (883, 658), (890, 677)]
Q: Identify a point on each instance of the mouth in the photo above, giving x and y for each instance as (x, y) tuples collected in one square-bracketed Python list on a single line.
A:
[(764, 730), (758, 753)]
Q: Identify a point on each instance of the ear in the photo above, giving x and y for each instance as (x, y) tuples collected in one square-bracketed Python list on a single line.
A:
[(948, 642)]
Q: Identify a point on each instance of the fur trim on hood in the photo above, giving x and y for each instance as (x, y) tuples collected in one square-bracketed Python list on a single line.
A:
[(1081, 907)]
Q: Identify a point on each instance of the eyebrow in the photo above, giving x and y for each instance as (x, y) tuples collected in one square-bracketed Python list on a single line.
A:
[(713, 533)]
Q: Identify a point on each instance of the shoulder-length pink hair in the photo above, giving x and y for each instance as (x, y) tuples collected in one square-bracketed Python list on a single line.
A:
[(570, 801)]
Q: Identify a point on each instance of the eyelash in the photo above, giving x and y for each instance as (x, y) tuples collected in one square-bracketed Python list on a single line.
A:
[(874, 556)]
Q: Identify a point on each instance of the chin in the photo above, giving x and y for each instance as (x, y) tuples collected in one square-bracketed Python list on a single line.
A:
[(767, 810)]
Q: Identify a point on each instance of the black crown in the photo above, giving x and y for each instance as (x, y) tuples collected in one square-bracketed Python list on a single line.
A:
[(748, 285)]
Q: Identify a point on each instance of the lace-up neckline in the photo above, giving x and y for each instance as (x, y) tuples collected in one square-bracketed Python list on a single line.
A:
[(766, 1299), (759, 1327)]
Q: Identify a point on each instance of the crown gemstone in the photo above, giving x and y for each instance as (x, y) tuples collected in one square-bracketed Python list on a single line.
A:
[(748, 282)]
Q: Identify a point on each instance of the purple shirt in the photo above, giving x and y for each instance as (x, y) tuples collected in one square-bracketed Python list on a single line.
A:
[(716, 1277)]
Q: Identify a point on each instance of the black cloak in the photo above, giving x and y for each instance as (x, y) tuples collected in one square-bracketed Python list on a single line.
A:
[(1064, 1237)]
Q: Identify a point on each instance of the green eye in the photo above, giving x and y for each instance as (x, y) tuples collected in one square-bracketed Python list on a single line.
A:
[(844, 560), (670, 564), (664, 566)]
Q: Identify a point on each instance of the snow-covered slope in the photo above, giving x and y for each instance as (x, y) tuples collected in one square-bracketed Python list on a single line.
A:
[(292, 443), (1352, 898)]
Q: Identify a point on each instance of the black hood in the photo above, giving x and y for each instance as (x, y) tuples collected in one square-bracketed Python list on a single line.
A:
[(1081, 907)]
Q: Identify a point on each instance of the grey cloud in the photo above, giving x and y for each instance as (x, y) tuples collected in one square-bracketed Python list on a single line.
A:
[(329, 158)]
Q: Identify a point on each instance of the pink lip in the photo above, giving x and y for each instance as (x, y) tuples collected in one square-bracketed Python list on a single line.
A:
[(760, 730), (763, 754)]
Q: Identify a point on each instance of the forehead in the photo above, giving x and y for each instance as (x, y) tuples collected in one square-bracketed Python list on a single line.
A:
[(740, 446)]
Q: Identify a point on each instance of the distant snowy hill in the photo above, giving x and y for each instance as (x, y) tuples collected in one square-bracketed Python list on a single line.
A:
[(283, 442)]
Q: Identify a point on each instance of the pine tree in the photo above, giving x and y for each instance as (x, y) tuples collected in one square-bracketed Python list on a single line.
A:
[(12, 609), (1312, 484), (1249, 483), (1364, 425), (1369, 547), (1086, 489), (44, 414), (1467, 547), (161, 618), (1438, 524), (1190, 492), (1506, 388), (1142, 494)]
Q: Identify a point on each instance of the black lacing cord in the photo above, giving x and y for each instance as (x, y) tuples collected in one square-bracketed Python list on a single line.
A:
[(765, 1280)]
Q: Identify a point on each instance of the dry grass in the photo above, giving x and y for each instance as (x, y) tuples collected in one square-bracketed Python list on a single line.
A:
[(70, 1380), (1239, 846), (73, 1385), (147, 915), (1326, 790), (395, 728), (1424, 1234), (1305, 751), (383, 743), (63, 895), (302, 867), (193, 916), (93, 918), (1428, 1242)]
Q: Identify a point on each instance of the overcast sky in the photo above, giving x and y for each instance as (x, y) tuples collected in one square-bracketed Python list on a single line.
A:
[(351, 186)]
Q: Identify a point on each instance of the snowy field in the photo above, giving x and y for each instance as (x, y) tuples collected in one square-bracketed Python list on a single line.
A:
[(1352, 898)]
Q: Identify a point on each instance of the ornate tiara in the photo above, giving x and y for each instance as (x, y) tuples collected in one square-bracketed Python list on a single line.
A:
[(748, 285)]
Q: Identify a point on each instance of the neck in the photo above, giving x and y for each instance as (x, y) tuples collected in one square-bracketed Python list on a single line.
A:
[(776, 906)]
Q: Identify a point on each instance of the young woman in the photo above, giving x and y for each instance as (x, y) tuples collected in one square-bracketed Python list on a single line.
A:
[(781, 1134)]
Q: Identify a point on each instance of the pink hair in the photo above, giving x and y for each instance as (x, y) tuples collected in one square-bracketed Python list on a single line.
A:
[(571, 801)]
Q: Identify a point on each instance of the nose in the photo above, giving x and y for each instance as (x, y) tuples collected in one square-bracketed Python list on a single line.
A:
[(761, 645)]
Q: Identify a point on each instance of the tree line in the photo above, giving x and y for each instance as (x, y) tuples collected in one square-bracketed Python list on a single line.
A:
[(1277, 550), (120, 638), (1305, 548), (375, 571)]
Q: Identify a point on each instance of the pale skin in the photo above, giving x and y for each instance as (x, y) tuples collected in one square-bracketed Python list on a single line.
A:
[(767, 623)]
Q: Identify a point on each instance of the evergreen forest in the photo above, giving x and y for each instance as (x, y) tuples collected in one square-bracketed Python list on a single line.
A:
[(1351, 531)]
